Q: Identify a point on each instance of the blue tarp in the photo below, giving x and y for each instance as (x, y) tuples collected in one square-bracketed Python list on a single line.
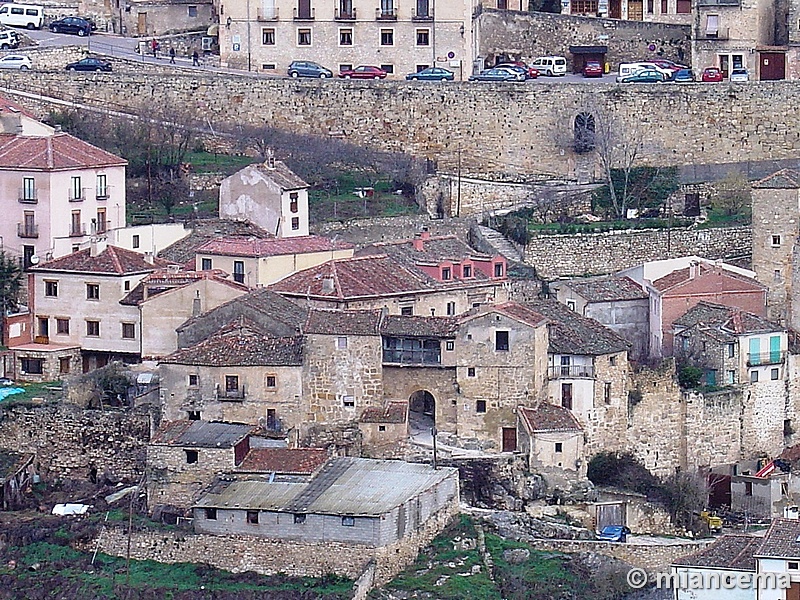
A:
[(8, 391)]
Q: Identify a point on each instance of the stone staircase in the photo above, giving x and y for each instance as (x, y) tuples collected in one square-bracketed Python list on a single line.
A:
[(496, 240)]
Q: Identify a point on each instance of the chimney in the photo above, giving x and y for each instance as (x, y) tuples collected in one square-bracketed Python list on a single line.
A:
[(174, 269), (270, 162), (419, 242), (148, 258), (327, 285), (93, 250), (425, 234), (694, 269), (196, 304)]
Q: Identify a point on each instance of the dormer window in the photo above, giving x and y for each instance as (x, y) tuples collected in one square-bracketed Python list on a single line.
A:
[(498, 269), (467, 271), (446, 273)]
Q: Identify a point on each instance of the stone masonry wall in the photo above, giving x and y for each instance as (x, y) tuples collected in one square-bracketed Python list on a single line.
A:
[(68, 441), (600, 253)]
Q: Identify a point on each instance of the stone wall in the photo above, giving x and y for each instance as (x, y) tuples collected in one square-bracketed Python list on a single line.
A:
[(362, 232), (599, 253), (528, 35), (68, 441)]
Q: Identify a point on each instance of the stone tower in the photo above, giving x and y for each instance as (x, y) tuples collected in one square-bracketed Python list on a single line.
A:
[(776, 255)]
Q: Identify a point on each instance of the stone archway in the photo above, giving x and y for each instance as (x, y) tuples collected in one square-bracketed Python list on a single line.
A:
[(421, 411)]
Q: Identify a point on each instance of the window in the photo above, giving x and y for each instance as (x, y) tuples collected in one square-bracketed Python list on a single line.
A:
[(63, 365), (192, 11), (387, 37), (345, 67), (231, 383), (62, 326), (238, 271), (303, 37), (731, 350), (664, 7), (293, 197), (102, 187), (559, 447), (449, 346), (348, 522), (753, 376), (345, 37), (423, 37), (650, 7), (194, 380), (607, 392), (205, 264), (501, 341), (211, 514), (349, 401), (571, 304), (793, 566), (268, 67), (730, 376), (93, 328), (498, 270), (51, 289), (381, 427), (128, 331), (467, 270), (712, 25), (406, 311), (191, 457), (612, 361), (776, 276), (341, 343), (480, 406), (470, 371), (299, 519), (773, 374), (583, 133), (44, 326), (28, 189), (75, 189), (684, 7), (267, 37), (92, 291), (446, 274), (33, 366), (126, 286), (388, 68), (102, 224), (193, 415), (252, 517), (748, 488), (295, 223), (776, 240), (135, 241), (272, 381)]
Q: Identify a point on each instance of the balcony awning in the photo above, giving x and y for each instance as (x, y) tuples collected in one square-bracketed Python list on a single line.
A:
[(712, 24), (213, 30)]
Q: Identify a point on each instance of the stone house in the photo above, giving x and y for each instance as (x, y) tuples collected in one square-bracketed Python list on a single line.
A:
[(617, 302), (290, 464), (143, 18), (268, 195), (730, 345), (676, 285), (17, 471), (676, 12), (66, 190), (383, 429), (764, 496), (262, 262), (550, 437), (183, 457), (183, 250), (371, 503)]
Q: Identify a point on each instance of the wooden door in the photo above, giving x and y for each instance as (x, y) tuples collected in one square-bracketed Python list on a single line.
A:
[(793, 593), (615, 9), (772, 66), (566, 395), (635, 10), (509, 439), (141, 24), (304, 9)]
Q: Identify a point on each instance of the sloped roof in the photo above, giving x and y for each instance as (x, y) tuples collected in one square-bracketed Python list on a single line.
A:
[(57, 152), (416, 326), (434, 250), (343, 322), (200, 434), (203, 230), (113, 261), (783, 179), (729, 319), (549, 417), (513, 310), (12, 462), (732, 551), (288, 461), (163, 280), (241, 344), (614, 288), (781, 540), (257, 248), (281, 175), (571, 333), (732, 281), (392, 413)]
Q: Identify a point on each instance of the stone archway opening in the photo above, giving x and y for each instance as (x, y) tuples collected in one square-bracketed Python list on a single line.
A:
[(421, 412)]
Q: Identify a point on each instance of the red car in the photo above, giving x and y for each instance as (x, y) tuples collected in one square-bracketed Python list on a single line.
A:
[(712, 75), (363, 72), (532, 73), (592, 68)]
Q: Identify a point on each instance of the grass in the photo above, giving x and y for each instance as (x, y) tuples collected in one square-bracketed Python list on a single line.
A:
[(720, 218), (35, 390), (209, 162)]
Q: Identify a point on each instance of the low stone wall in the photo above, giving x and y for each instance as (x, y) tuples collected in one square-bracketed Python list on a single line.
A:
[(367, 231)]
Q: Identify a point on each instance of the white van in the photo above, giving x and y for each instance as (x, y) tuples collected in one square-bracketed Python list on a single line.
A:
[(550, 66), (30, 16)]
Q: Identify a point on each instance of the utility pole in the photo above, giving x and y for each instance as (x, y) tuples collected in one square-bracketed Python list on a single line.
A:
[(435, 457), (458, 188)]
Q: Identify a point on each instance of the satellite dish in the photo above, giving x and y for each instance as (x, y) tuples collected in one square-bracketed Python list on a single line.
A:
[(34, 260)]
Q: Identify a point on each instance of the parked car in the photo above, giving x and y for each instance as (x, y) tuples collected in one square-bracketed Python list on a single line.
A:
[(532, 73), (739, 75), (89, 64), (550, 65), (495, 75), (75, 25), (663, 63), (520, 73), (363, 72), (683, 76), (306, 68), (519, 68), (9, 39), (16, 61), (644, 76), (613, 533), (431, 74), (711, 75), (592, 68)]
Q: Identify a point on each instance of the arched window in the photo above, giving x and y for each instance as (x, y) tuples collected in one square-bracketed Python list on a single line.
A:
[(584, 132)]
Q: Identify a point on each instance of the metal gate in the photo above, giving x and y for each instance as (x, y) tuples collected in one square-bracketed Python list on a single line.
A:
[(609, 513), (771, 66)]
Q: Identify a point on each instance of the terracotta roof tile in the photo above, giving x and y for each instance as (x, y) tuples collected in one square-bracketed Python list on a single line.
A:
[(56, 152), (727, 319), (783, 179), (571, 333), (392, 413), (415, 326), (731, 281), (237, 246), (732, 551), (112, 260), (343, 322), (780, 540), (162, 281), (282, 175), (549, 417), (607, 289), (286, 461), (203, 230), (434, 249)]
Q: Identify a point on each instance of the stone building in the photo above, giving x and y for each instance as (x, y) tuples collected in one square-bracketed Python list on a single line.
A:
[(678, 12), (551, 437), (143, 18)]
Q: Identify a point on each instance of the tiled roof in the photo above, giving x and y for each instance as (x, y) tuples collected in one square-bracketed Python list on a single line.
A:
[(57, 152), (287, 461), (729, 319), (343, 322), (607, 289), (200, 434), (254, 247), (733, 551), (241, 344), (434, 250), (571, 333), (783, 179), (781, 540), (549, 417), (414, 326), (732, 281), (392, 413), (9, 106), (112, 260), (203, 230), (162, 281), (521, 313), (282, 175)]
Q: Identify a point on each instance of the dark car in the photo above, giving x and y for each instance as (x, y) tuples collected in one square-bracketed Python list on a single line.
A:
[(431, 74), (712, 75), (363, 72), (306, 68), (89, 64), (644, 76), (592, 68), (614, 533), (495, 75), (75, 25), (683, 76)]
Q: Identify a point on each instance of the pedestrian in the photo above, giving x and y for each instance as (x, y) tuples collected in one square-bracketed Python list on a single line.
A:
[(195, 59), (154, 47), (172, 55)]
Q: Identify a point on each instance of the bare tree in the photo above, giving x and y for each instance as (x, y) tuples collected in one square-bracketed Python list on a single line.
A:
[(732, 195)]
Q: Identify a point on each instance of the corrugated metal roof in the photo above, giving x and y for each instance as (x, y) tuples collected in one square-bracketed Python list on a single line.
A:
[(200, 434), (253, 495)]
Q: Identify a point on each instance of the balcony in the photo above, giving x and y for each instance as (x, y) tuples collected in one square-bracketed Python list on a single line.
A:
[(99, 227), (714, 3), (29, 196), (386, 14), (411, 351), (571, 372), (236, 395), (77, 230), (344, 15), (765, 358), (273, 425), (78, 195), (421, 16), (267, 14), (304, 15), (27, 230), (706, 35), (103, 193)]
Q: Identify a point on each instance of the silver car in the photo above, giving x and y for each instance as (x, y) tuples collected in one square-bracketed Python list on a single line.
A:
[(739, 75), (16, 61)]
